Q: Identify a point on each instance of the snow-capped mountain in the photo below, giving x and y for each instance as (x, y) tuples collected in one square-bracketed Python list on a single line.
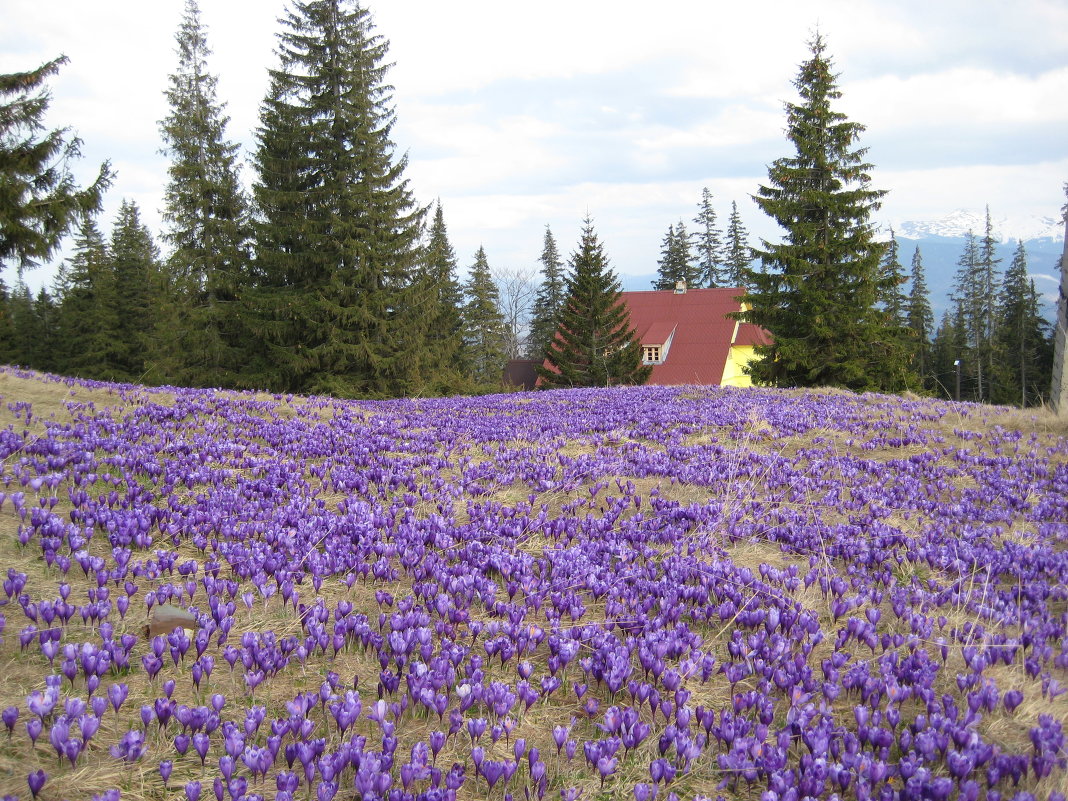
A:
[(958, 223), (941, 242)]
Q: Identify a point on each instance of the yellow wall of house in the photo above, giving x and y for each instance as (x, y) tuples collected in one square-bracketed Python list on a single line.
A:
[(737, 358)]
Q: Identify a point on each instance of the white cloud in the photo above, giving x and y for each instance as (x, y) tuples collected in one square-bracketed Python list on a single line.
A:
[(734, 125), (516, 115), (630, 219), (1013, 189), (479, 150), (958, 97)]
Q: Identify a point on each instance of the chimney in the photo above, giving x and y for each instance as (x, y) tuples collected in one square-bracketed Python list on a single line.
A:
[(680, 287)]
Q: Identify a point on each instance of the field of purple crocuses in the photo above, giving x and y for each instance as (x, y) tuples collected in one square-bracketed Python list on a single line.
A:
[(629, 593)]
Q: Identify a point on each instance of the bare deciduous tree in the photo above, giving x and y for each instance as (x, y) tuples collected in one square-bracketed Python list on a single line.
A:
[(517, 288)]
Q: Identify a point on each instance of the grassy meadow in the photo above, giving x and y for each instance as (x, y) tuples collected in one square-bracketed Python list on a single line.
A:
[(596, 594)]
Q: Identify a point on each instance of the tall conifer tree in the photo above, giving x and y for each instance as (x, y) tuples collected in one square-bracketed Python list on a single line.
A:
[(946, 348), (552, 294), (1024, 349), (709, 244), (337, 239), (738, 253), (893, 303), (485, 336), (435, 315), (595, 344), (988, 280), (39, 200), (46, 312), (206, 213), (26, 327), (920, 320), (891, 287), (968, 320), (818, 298), (676, 261), (90, 345), (7, 327), (135, 269)]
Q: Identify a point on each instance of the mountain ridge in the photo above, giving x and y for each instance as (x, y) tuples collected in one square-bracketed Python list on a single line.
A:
[(1005, 228), (941, 241)]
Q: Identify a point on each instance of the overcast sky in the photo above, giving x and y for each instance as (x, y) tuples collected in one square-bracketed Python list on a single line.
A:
[(517, 115)]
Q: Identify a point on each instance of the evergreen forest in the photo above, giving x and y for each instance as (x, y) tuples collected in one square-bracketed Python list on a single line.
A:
[(323, 273)]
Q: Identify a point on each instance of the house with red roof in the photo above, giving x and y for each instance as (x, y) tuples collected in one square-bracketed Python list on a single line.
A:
[(688, 337)]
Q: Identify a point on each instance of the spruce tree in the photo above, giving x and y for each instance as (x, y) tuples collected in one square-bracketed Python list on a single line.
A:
[(89, 343), (439, 364), (595, 344), (988, 280), (7, 327), (891, 295), (709, 244), (26, 328), (892, 302), (676, 262), (552, 294), (337, 235), (945, 351), (968, 319), (46, 314), (39, 200), (135, 269), (485, 337), (667, 271), (206, 213), (818, 298), (920, 320), (738, 253), (32, 321), (442, 261), (1024, 352)]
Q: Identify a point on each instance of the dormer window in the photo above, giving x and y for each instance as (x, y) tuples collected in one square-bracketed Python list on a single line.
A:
[(656, 342)]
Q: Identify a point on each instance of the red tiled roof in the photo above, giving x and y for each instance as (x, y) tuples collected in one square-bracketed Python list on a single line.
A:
[(703, 332), (749, 334), (657, 333)]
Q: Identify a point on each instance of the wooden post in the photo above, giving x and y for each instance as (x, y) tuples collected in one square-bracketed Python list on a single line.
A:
[(1059, 390)]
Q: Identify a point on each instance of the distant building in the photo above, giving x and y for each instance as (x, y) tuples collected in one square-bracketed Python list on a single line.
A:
[(685, 334), (519, 374), (687, 337)]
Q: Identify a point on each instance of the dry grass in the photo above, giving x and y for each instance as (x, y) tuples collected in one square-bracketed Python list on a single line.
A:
[(97, 771), (1042, 421)]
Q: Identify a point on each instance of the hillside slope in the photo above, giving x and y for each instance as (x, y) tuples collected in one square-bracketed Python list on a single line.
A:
[(611, 593)]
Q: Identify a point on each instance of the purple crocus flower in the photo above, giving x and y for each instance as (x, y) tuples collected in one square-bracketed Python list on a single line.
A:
[(36, 781), (131, 747), (201, 742), (436, 740), (33, 729), (10, 715)]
